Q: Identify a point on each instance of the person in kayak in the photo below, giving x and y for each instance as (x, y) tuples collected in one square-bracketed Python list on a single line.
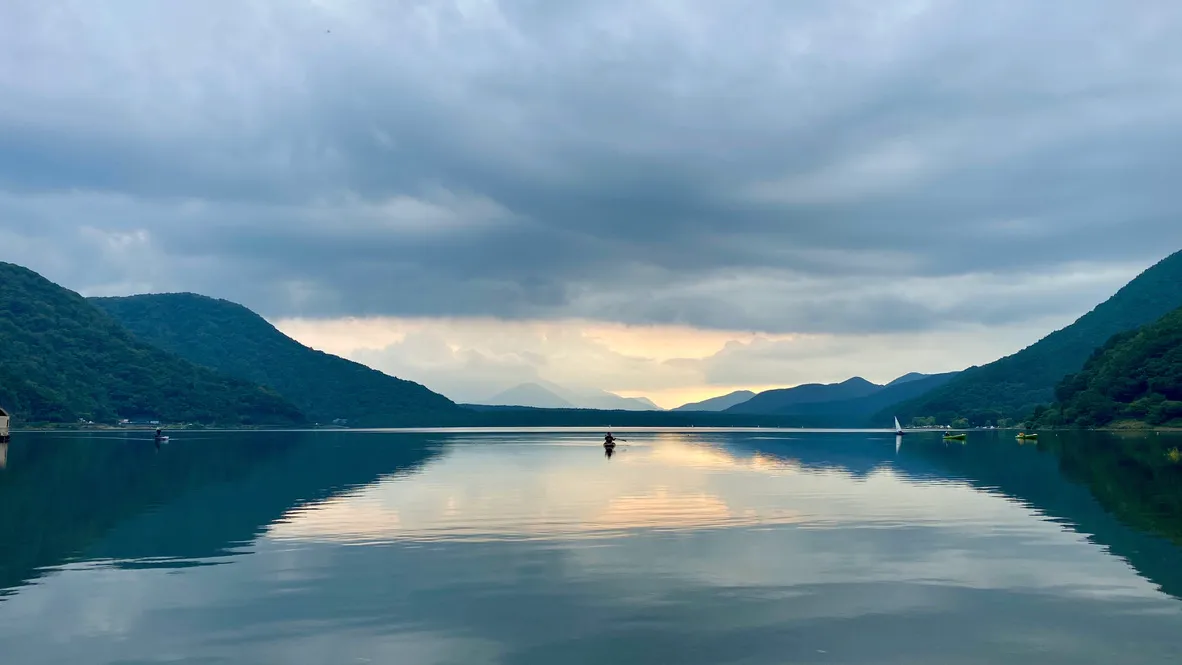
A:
[(609, 440)]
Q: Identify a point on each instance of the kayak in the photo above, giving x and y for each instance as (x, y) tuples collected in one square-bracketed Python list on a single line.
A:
[(958, 437), (1026, 436)]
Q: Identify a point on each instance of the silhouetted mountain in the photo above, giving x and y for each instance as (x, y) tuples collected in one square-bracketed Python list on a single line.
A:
[(1137, 376), (720, 403), (907, 378), (611, 401), (546, 395), (62, 359), (776, 401), (528, 394), (862, 411), (1012, 386), (232, 339)]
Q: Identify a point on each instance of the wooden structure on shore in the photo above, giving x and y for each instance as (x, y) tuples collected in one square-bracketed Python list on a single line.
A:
[(4, 420)]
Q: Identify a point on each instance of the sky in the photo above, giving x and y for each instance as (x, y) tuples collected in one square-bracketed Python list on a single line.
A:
[(654, 197)]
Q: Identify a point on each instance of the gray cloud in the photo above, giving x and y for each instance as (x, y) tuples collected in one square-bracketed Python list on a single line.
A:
[(838, 167)]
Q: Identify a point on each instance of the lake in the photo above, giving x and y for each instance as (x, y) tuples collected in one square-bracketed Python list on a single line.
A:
[(534, 547)]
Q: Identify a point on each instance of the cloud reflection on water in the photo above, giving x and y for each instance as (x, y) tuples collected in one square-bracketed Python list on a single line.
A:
[(663, 482)]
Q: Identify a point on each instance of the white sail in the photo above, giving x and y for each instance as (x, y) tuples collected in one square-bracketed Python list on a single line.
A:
[(898, 428)]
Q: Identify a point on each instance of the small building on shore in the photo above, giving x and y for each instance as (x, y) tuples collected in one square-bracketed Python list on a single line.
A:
[(4, 420)]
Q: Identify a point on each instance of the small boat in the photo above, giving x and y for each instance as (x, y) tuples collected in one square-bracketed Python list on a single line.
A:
[(1023, 435), (949, 436), (898, 427)]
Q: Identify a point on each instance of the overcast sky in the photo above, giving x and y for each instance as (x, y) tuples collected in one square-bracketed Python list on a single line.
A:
[(657, 197)]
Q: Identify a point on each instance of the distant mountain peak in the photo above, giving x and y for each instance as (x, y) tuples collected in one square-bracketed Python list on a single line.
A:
[(719, 403), (908, 377), (547, 395), (774, 401), (529, 394)]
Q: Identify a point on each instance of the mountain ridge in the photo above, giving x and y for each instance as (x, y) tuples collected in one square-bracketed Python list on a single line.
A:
[(540, 393), (772, 401), (1135, 376), (719, 403), (231, 338), (1012, 386), (528, 394), (65, 360)]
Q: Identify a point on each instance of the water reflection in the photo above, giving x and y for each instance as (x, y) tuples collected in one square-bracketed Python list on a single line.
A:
[(509, 548), (483, 495), (115, 498), (4, 455)]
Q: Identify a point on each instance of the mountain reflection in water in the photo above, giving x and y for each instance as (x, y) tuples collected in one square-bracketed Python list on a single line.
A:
[(531, 547)]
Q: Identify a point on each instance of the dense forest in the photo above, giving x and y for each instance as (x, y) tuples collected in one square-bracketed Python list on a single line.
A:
[(234, 340), (1136, 375), (1013, 386), (62, 359)]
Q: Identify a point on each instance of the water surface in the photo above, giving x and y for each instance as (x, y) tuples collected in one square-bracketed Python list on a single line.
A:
[(534, 547)]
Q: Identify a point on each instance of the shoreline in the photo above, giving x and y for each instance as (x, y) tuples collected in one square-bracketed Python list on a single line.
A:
[(107, 429)]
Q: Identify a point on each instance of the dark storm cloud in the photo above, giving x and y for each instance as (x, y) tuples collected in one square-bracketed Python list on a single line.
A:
[(849, 166)]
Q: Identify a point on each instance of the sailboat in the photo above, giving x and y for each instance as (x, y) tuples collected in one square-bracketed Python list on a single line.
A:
[(898, 427)]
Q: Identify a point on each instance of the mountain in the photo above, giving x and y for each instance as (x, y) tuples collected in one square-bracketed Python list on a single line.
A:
[(610, 401), (529, 394), (862, 410), (720, 403), (546, 395), (1012, 386), (232, 339), (908, 378), (62, 359), (1136, 375), (775, 401)]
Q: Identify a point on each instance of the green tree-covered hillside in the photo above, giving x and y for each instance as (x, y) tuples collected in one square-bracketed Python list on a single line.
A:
[(1137, 375), (1013, 386), (232, 339), (62, 359)]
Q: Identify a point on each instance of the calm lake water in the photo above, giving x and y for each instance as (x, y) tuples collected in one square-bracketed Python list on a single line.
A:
[(535, 548)]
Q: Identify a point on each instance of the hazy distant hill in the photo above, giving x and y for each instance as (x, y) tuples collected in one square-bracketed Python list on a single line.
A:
[(547, 395), (62, 359), (720, 403), (232, 339), (529, 394), (776, 401), (604, 400), (1012, 386), (1136, 375)]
